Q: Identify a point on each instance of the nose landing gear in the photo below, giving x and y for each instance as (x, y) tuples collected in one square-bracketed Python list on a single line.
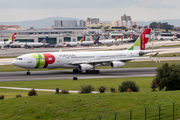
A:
[(28, 72)]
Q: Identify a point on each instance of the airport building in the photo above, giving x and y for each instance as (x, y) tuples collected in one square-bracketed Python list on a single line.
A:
[(55, 37)]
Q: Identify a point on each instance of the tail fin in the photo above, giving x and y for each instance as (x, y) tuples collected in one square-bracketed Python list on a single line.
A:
[(97, 40), (122, 37), (130, 37), (116, 38), (44, 40), (175, 35), (12, 38), (140, 43), (82, 39)]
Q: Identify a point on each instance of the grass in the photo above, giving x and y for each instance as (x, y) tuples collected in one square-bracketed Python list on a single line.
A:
[(8, 57), (52, 106), (143, 82), (138, 64)]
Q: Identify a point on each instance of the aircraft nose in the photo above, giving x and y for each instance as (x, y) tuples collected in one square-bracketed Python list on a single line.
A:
[(14, 62)]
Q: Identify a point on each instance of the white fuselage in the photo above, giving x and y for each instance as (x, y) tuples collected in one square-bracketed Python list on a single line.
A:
[(23, 44), (159, 37), (66, 59), (4, 44)]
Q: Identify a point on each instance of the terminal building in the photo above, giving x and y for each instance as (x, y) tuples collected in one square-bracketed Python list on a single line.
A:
[(54, 36)]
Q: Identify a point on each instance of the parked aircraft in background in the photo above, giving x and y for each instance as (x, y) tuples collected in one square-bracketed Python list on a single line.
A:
[(9, 41), (30, 44), (159, 37), (128, 39), (108, 41), (85, 61), (73, 44)]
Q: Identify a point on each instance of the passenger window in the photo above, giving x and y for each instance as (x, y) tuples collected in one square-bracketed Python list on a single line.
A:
[(49, 58)]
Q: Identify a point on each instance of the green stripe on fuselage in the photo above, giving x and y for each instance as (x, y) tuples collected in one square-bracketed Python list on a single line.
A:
[(40, 60)]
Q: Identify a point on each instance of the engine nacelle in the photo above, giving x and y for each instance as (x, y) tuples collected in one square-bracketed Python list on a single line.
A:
[(83, 67), (116, 64)]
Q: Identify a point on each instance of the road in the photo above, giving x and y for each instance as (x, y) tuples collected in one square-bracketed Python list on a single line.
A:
[(67, 74)]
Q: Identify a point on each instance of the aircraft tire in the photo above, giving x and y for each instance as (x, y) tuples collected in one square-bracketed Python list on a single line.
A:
[(87, 71), (28, 73), (97, 71)]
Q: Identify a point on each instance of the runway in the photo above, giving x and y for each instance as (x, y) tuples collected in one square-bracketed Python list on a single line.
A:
[(68, 74)]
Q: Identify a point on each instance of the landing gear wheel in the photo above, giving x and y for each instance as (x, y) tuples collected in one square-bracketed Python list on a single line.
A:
[(76, 71), (28, 73), (87, 71), (97, 71)]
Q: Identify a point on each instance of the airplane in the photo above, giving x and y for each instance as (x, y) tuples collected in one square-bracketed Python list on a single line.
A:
[(129, 38), (108, 41), (71, 44), (91, 43), (85, 61), (9, 41), (30, 44), (159, 37)]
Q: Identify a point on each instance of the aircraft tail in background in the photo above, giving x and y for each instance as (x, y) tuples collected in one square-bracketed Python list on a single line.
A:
[(130, 37), (44, 40), (82, 39), (12, 38), (174, 35)]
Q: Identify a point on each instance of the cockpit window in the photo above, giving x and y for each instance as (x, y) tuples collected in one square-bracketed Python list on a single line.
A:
[(18, 58)]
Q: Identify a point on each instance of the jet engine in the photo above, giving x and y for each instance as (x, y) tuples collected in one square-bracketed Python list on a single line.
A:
[(116, 64), (83, 67)]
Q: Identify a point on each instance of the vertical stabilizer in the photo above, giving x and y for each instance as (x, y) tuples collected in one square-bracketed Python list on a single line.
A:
[(140, 43)]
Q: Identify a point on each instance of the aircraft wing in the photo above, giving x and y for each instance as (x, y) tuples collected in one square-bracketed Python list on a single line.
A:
[(107, 60)]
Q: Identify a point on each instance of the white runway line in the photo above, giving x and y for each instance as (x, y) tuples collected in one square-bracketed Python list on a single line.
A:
[(48, 90)]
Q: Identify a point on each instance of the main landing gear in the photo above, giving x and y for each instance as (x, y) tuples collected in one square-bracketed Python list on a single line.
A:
[(87, 71), (28, 72), (93, 71)]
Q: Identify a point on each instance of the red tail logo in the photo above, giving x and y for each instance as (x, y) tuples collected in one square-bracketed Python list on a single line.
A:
[(122, 37), (14, 37), (175, 34), (116, 38), (131, 36), (144, 37)]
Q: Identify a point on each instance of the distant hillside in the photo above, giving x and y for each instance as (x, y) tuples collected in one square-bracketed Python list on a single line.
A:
[(47, 22), (37, 24), (175, 22)]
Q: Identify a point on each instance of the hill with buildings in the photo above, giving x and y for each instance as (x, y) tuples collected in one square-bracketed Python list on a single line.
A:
[(174, 22), (48, 22), (37, 24)]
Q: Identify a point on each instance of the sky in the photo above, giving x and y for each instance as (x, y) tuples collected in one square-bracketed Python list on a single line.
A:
[(105, 10)]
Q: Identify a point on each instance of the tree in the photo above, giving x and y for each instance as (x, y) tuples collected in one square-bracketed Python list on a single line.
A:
[(123, 27), (168, 77), (134, 26), (154, 25)]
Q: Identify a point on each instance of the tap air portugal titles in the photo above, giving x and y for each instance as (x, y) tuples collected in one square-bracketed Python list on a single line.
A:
[(9, 41), (31, 44), (159, 37), (84, 61)]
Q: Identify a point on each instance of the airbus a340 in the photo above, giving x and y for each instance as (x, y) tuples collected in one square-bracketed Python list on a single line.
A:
[(84, 61)]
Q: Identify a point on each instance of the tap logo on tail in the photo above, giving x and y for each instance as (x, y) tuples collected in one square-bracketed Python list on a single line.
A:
[(142, 40)]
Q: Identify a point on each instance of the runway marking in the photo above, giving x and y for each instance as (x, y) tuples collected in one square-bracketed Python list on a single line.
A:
[(49, 90)]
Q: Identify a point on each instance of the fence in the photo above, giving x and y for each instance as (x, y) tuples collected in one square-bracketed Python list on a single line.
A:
[(155, 112)]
